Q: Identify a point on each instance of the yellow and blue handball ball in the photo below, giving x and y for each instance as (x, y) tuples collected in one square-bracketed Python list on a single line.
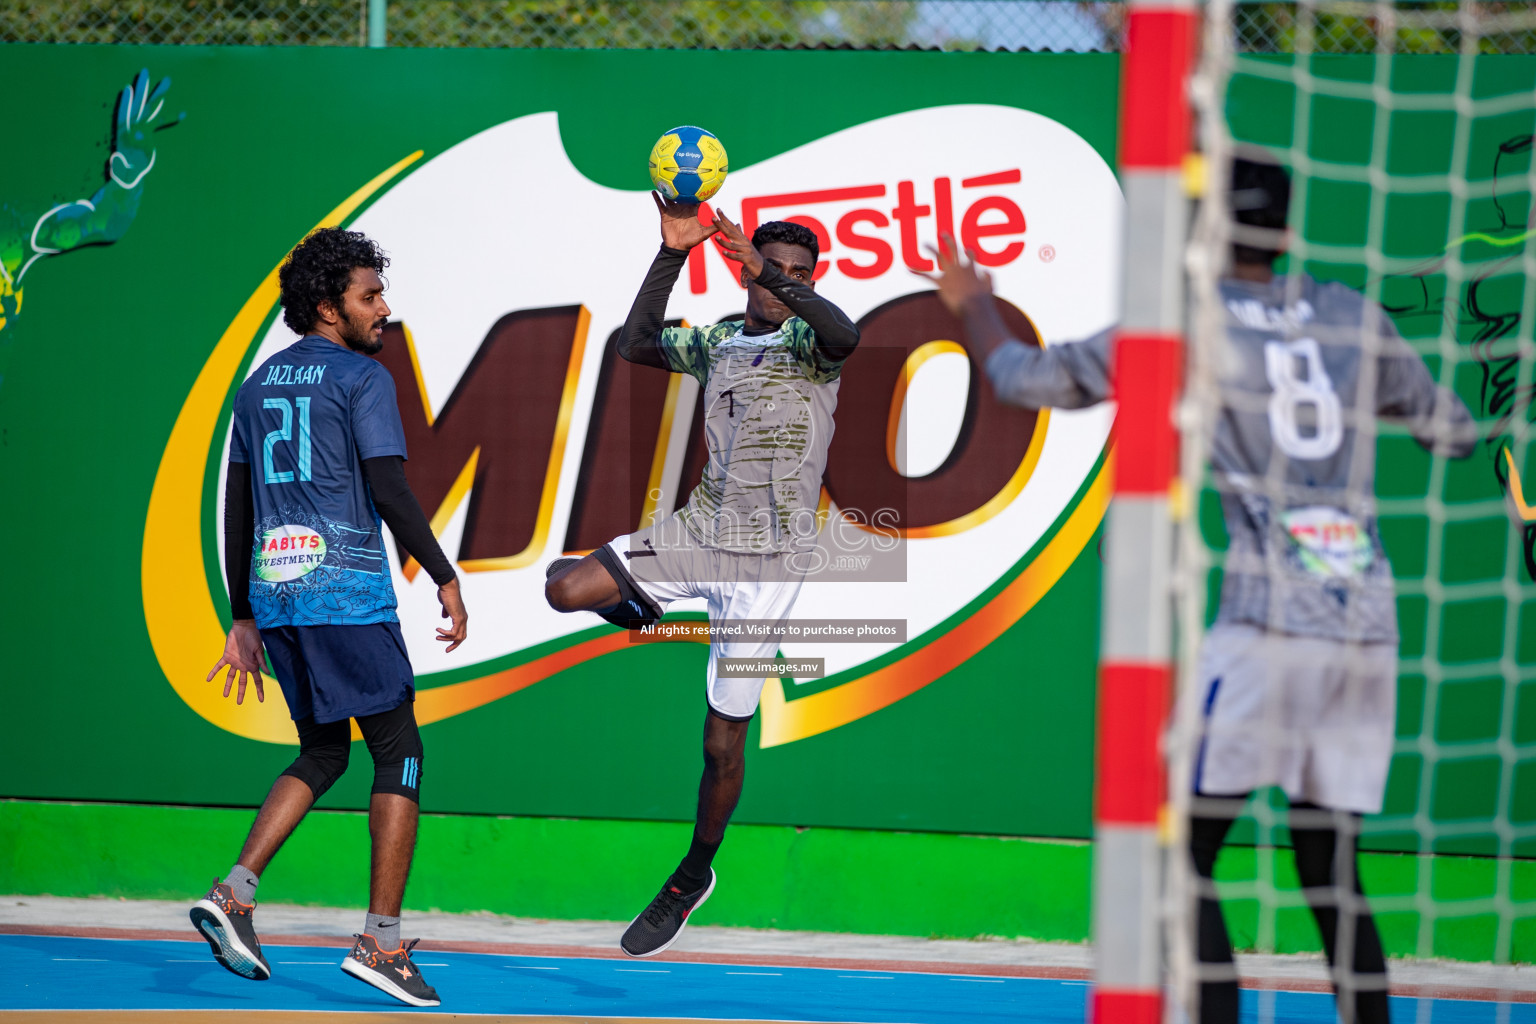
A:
[(688, 164)]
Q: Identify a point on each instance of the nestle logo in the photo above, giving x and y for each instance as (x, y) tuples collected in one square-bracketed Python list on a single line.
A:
[(864, 241)]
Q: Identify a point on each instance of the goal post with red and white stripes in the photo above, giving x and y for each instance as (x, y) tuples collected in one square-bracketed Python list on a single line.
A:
[(1406, 132), (1136, 632)]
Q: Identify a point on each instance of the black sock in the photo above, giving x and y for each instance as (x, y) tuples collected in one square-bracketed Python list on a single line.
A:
[(694, 869)]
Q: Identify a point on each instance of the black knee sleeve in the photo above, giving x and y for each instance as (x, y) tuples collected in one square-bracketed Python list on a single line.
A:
[(395, 743), (634, 609), (323, 751)]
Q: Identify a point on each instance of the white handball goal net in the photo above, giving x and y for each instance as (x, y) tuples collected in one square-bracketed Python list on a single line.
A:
[(1406, 129)]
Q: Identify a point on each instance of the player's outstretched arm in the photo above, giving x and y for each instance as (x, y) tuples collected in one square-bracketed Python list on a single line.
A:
[(836, 333), (1436, 417), (105, 216), (1069, 376), (243, 656), (640, 339), (401, 512)]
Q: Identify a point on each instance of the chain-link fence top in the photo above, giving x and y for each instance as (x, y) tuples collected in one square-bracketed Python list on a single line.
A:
[(1015, 25), (1440, 26), (758, 24), (189, 22), (1057, 26)]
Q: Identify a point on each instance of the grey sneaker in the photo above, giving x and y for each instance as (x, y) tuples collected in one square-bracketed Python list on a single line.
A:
[(659, 925), (228, 926), (391, 972)]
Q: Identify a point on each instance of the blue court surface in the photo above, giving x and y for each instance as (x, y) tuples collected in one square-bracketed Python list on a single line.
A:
[(67, 973)]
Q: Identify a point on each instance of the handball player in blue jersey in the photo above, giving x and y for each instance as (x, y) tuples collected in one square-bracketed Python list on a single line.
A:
[(316, 463)]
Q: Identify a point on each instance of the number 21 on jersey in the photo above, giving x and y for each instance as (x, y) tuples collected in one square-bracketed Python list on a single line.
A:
[(270, 474), (1292, 392)]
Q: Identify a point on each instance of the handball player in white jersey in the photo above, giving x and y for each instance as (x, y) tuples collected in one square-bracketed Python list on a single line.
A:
[(1298, 676), (743, 540)]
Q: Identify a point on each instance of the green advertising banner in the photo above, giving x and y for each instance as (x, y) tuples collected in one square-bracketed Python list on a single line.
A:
[(143, 220), (509, 189)]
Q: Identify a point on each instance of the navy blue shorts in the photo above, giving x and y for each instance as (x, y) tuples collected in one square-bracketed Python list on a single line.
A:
[(337, 672)]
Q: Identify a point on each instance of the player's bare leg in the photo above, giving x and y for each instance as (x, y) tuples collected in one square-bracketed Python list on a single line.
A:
[(585, 585), (226, 916), (392, 828), (725, 770), (380, 957), (285, 806)]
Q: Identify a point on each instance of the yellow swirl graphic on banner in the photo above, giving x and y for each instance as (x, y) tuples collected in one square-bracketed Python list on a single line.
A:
[(785, 721)]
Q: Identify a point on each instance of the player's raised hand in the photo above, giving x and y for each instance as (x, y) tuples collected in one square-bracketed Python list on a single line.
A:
[(453, 608), (680, 226), (737, 246), (243, 656), (959, 280)]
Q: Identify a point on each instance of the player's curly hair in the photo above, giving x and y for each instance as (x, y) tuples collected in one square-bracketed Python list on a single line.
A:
[(319, 269), (789, 232)]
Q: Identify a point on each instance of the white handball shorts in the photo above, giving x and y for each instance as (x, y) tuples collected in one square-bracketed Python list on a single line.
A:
[(1315, 717), (667, 563)]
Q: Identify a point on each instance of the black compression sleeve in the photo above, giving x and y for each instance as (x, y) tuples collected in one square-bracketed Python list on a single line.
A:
[(239, 534), (402, 514), (637, 341), (836, 335)]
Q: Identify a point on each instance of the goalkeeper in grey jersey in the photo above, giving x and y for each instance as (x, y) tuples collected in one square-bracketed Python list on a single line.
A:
[(1298, 676)]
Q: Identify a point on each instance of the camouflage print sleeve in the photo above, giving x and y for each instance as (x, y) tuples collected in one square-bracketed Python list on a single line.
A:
[(820, 366), (686, 350)]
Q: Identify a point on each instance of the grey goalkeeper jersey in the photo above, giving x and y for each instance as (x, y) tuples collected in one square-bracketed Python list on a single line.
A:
[(1306, 370)]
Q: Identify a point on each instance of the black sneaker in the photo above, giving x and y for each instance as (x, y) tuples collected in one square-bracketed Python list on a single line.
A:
[(227, 925), (659, 925), (390, 972)]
